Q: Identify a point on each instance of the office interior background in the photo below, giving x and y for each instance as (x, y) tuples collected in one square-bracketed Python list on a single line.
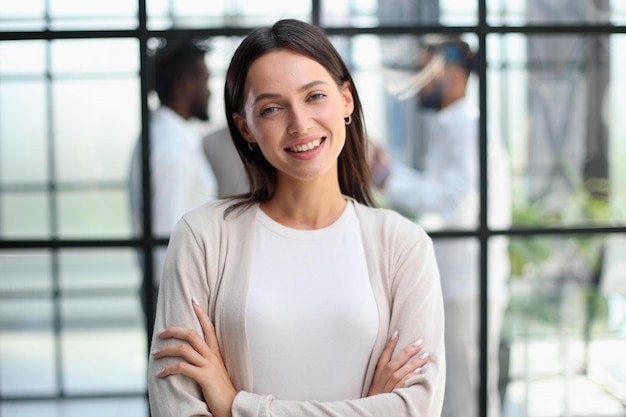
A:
[(74, 98)]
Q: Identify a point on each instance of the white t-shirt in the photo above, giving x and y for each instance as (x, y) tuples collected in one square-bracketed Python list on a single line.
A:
[(311, 316)]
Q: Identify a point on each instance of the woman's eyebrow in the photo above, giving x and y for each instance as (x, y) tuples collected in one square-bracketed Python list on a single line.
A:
[(271, 96), (311, 85)]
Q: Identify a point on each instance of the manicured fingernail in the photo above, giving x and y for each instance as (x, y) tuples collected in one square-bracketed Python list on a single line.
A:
[(155, 352), (160, 373), (394, 336), (193, 300), (417, 343), (424, 355), (418, 371)]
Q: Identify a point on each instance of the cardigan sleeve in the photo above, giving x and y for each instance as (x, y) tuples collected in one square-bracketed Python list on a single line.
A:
[(411, 276), (184, 277)]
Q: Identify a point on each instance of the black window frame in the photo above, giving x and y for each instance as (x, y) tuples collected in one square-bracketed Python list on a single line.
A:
[(148, 242)]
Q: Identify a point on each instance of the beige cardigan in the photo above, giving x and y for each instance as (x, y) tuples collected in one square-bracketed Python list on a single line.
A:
[(209, 258)]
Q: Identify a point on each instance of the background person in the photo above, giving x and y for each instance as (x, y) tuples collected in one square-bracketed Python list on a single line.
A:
[(299, 288), (181, 177), (444, 193)]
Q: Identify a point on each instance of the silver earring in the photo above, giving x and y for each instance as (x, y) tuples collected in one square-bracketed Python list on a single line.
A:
[(251, 145), (347, 120)]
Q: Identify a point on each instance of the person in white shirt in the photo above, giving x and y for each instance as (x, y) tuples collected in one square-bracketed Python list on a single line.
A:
[(444, 193), (181, 178), (300, 298)]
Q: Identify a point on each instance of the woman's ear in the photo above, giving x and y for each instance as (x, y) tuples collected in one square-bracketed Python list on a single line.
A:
[(348, 99), (242, 126)]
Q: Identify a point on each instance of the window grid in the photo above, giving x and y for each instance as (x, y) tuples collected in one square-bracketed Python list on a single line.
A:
[(148, 243)]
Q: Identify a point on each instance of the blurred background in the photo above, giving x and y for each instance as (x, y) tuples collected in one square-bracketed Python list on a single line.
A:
[(74, 98)]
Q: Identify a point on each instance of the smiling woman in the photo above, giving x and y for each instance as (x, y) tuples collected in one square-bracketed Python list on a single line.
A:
[(299, 298)]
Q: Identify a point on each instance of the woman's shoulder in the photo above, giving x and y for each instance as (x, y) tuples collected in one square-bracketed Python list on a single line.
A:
[(386, 219), (219, 212)]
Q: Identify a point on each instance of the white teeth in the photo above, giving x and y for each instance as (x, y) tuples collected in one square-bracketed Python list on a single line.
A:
[(306, 146)]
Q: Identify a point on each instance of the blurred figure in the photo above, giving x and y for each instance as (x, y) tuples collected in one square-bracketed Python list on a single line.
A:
[(226, 164), (445, 194), (181, 178)]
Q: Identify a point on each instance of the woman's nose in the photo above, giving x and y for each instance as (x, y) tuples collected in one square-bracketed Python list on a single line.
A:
[(299, 120)]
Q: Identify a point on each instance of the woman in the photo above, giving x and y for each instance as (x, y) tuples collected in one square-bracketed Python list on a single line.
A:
[(301, 289)]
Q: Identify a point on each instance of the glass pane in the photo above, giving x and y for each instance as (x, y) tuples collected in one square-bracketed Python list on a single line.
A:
[(617, 127), (556, 102), (521, 12), (93, 328), (99, 269), (253, 12), (102, 125), (498, 277), (95, 56), (27, 348), (222, 13), (102, 407), (457, 13), (186, 13), (24, 271), (565, 327), (399, 12), (99, 214), (95, 132), (22, 15), (23, 134), (25, 215), (349, 13), (22, 57), (67, 14), (76, 14), (618, 12), (217, 60)]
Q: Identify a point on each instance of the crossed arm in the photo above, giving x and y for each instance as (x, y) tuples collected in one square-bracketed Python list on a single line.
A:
[(202, 361)]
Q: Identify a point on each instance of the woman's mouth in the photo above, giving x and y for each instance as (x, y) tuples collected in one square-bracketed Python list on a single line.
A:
[(308, 146)]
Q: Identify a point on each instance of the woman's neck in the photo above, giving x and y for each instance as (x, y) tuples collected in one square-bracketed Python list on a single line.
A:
[(307, 207)]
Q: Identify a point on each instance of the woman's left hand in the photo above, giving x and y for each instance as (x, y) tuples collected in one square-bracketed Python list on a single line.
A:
[(202, 362), (393, 371)]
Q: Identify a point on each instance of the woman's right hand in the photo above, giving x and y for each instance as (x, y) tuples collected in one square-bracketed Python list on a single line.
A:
[(392, 372), (202, 362)]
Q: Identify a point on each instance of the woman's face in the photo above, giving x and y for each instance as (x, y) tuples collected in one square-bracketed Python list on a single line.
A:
[(295, 111)]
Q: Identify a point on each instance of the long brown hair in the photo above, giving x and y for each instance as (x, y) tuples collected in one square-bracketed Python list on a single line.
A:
[(308, 40)]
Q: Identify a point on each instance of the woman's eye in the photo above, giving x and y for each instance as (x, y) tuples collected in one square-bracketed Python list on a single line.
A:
[(268, 110), (317, 96)]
